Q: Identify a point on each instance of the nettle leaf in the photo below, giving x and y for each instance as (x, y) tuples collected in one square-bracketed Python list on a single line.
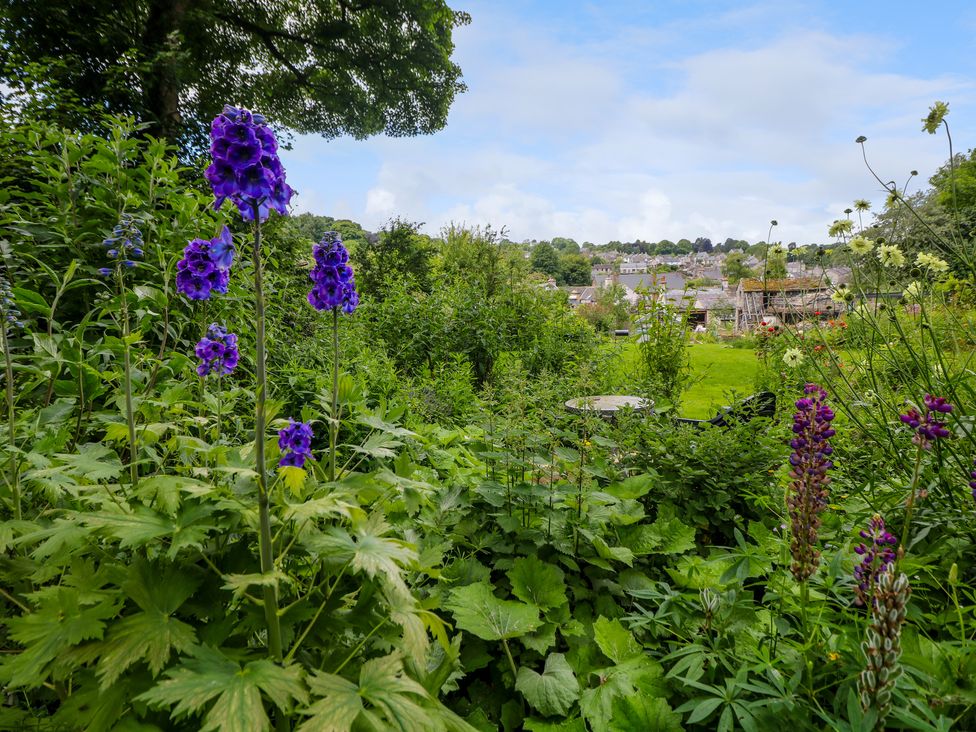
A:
[(616, 642), (553, 691), (664, 536), (538, 583), (643, 712), (238, 691), (384, 696), (153, 634), (478, 611)]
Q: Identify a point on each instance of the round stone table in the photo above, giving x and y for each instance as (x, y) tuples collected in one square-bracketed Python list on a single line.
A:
[(608, 405)]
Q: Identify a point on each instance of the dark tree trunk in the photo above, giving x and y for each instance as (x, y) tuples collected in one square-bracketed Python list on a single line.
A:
[(161, 80)]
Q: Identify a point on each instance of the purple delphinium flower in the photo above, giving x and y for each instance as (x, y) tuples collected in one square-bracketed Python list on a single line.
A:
[(124, 243), (931, 426), (217, 352), (809, 463), (245, 167), (335, 285), (295, 441), (8, 306), (205, 266), (877, 553)]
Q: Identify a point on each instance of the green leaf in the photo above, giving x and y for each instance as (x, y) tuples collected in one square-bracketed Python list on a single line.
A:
[(632, 487), (238, 691), (152, 634), (92, 462), (664, 536), (616, 642), (392, 697), (538, 583), (539, 725), (618, 553), (293, 478), (643, 712), (618, 681), (368, 550), (553, 691), (478, 611)]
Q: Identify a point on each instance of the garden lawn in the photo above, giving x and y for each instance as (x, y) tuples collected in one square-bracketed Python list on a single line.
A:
[(719, 370)]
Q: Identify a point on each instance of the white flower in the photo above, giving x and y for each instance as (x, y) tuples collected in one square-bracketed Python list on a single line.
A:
[(861, 245), (891, 256), (793, 357), (841, 294), (931, 262), (914, 290)]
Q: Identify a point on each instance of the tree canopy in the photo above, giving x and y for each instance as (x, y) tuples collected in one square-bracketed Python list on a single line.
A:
[(315, 66)]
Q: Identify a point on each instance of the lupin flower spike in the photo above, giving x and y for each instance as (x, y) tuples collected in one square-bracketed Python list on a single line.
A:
[(877, 553), (809, 464), (882, 645)]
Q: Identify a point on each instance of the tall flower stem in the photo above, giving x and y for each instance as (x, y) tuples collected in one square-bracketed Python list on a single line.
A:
[(260, 418), (910, 504), (11, 421), (334, 422), (127, 379)]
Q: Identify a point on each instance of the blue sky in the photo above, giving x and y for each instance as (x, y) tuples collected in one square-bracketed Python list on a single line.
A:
[(624, 120)]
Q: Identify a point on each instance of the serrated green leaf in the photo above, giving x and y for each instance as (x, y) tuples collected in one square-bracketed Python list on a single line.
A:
[(293, 478), (553, 691), (616, 642), (643, 712), (238, 691), (635, 486), (617, 553), (538, 583), (539, 725), (618, 681), (394, 699), (478, 611)]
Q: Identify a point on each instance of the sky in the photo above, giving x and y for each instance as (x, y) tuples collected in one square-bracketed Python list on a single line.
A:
[(624, 120)]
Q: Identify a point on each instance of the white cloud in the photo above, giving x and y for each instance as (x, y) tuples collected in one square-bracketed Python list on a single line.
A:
[(559, 138)]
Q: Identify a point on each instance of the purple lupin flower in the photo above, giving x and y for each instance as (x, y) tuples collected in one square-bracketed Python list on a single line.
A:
[(246, 168), (217, 352), (877, 553), (205, 266), (809, 463), (335, 285), (295, 441), (932, 425), (972, 483)]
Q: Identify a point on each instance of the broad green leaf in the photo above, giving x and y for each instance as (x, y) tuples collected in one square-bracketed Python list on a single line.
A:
[(616, 642), (478, 611), (238, 690), (632, 487), (553, 691), (92, 462), (393, 699), (539, 725), (664, 536), (643, 712), (293, 478), (618, 553), (621, 680), (117, 432), (538, 583), (143, 526)]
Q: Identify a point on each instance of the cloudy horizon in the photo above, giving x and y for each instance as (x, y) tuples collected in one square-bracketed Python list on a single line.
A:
[(614, 121)]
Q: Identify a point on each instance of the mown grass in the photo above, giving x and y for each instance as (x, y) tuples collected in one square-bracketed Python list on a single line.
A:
[(719, 371)]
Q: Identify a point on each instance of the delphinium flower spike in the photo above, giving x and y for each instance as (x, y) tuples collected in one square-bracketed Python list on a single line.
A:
[(217, 352), (809, 464), (205, 266), (245, 167), (295, 441), (972, 483), (334, 283), (124, 246), (877, 553)]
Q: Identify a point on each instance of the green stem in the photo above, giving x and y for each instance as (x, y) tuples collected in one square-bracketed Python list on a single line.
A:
[(264, 516), (11, 421), (903, 546), (127, 378), (334, 417), (511, 661), (807, 664)]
